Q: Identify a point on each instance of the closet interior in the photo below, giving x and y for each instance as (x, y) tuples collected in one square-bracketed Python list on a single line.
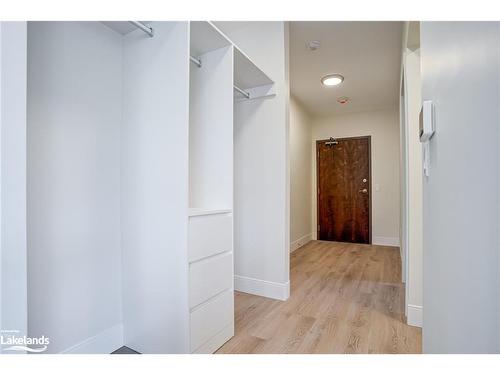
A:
[(130, 183)]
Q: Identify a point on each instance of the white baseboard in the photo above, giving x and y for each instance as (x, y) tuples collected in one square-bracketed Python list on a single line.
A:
[(385, 241), (300, 242), (414, 317), (269, 289), (104, 342)]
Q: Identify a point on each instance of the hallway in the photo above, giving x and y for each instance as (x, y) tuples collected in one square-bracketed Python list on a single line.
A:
[(345, 298)]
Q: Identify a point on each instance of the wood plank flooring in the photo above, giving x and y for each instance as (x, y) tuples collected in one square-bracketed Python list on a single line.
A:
[(345, 298)]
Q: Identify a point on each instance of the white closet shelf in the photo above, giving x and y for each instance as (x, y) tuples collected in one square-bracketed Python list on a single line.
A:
[(207, 211), (123, 27), (206, 37), (246, 73)]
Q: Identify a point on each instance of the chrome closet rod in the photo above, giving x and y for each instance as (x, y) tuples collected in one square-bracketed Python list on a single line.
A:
[(242, 92), (148, 30), (197, 62)]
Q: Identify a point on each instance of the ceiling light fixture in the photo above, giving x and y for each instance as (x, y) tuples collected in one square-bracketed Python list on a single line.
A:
[(332, 80), (313, 45)]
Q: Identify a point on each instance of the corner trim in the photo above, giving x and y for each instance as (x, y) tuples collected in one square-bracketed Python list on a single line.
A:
[(300, 242), (414, 317), (385, 241), (104, 342), (264, 288)]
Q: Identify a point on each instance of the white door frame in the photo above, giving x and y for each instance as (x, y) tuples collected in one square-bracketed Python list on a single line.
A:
[(403, 109)]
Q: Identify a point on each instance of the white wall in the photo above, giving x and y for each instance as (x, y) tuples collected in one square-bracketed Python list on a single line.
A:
[(261, 196), (300, 175), (460, 71), (403, 182), (413, 99), (383, 127), (1, 158), (154, 193), (13, 295), (74, 115), (211, 131)]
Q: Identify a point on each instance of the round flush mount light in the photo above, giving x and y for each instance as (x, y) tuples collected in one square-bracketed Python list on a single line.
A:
[(332, 80)]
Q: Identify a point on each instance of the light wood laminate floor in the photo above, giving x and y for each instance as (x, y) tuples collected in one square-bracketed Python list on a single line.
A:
[(345, 298)]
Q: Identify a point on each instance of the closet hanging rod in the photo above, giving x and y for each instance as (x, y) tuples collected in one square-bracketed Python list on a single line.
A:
[(196, 61), (242, 92), (148, 30)]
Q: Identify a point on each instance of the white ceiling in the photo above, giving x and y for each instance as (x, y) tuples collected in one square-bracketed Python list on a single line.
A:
[(367, 54)]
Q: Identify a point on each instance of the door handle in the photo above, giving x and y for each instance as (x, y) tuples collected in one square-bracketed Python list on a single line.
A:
[(364, 191)]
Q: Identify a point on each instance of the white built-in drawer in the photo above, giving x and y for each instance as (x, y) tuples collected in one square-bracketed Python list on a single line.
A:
[(210, 318), (210, 276), (210, 235)]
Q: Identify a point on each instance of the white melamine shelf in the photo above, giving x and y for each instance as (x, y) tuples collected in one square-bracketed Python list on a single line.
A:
[(207, 211), (246, 73), (205, 37)]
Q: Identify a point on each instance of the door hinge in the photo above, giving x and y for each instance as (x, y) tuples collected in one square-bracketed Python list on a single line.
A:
[(318, 227)]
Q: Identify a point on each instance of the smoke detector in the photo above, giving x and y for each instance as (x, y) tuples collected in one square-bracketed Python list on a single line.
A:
[(313, 45), (343, 99)]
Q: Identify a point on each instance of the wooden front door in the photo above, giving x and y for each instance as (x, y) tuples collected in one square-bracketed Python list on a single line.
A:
[(344, 189)]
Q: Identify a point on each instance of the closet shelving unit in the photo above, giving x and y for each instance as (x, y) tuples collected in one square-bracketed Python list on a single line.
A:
[(250, 82), (130, 183), (220, 75)]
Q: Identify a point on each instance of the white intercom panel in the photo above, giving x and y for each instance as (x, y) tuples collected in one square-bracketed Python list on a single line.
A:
[(426, 121), (426, 132)]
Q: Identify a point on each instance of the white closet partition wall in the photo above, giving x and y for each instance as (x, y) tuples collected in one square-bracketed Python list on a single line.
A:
[(13, 291), (154, 188)]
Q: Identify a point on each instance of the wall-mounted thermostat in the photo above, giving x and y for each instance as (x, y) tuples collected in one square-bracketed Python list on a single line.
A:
[(426, 121)]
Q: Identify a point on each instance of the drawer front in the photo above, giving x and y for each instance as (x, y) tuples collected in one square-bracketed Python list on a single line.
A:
[(215, 342), (212, 317), (210, 235), (209, 277)]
